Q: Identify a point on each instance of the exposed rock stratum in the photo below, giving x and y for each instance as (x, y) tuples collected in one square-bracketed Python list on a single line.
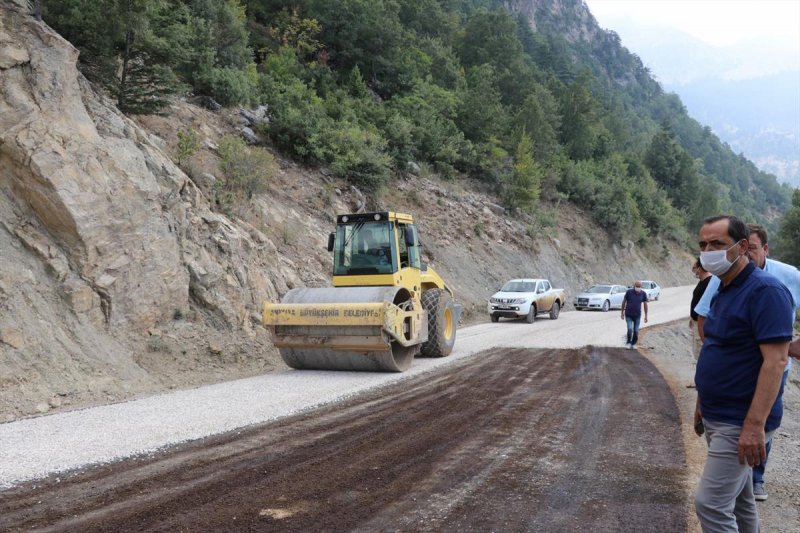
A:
[(104, 242)]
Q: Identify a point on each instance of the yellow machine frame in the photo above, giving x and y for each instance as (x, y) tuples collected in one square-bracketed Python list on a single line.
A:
[(338, 322)]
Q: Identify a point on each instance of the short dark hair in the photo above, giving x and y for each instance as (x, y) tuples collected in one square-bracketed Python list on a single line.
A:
[(759, 230), (737, 230)]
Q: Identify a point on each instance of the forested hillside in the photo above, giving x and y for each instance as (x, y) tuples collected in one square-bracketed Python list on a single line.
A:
[(529, 98)]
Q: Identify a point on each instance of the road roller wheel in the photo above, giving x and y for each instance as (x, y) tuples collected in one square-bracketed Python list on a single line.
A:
[(441, 323)]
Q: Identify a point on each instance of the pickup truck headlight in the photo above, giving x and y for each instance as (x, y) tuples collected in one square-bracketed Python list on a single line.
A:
[(518, 301)]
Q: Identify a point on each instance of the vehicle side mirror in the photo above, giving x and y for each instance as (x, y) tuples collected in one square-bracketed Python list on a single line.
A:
[(331, 239), (409, 236)]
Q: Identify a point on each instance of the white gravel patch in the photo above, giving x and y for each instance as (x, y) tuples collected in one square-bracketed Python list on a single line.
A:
[(38, 447)]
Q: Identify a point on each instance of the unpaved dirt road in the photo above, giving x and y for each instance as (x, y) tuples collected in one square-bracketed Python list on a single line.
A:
[(509, 440)]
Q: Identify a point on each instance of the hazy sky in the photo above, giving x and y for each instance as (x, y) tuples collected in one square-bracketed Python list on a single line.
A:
[(771, 25)]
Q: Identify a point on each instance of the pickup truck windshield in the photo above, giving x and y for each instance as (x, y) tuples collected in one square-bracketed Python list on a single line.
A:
[(519, 286)]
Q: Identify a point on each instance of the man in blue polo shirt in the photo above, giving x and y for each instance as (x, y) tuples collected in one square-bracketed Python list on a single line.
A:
[(758, 251), (631, 312), (738, 375)]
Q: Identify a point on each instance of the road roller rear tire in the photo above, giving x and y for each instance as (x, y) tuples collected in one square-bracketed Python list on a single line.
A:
[(441, 323)]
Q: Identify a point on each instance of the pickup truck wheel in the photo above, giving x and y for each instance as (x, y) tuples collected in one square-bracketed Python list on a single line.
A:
[(531, 314), (495, 318), (554, 311), (606, 306)]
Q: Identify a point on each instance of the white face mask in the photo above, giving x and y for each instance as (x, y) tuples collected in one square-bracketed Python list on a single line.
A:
[(716, 261)]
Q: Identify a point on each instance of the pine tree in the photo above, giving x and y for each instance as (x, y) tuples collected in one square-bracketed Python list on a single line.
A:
[(789, 233), (525, 181), (144, 82), (674, 170), (578, 116), (126, 46)]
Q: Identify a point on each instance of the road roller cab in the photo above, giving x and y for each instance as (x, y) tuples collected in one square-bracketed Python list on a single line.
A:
[(385, 306)]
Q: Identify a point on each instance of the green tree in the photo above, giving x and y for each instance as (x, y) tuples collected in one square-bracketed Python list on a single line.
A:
[(431, 110), (789, 233), (355, 154), (523, 185), (367, 33), (125, 46), (247, 169), (490, 38), (481, 114), (673, 169), (187, 146), (219, 61), (539, 116), (578, 118)]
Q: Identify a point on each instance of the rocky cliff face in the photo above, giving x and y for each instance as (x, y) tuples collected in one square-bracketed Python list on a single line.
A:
[(570, 18), (104, 242)]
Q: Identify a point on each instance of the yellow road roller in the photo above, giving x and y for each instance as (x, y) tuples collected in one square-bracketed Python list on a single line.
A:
[(385, 306)]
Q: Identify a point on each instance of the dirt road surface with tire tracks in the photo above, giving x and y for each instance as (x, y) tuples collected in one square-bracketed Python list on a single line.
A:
[(512, 439)]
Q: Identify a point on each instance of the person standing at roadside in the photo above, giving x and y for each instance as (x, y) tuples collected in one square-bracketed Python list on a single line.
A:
[(758, 251), (703, 275), (631, 312), (738, 375)]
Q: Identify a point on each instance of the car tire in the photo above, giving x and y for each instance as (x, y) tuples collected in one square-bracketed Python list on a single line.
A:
[(495, 318), (554, 311), (531, 317), (606, 306)]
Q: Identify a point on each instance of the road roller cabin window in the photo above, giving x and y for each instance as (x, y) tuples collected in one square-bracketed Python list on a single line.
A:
[(409, 255), (364, 248)]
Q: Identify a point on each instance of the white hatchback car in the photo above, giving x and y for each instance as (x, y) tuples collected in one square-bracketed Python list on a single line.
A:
[(652, 290)]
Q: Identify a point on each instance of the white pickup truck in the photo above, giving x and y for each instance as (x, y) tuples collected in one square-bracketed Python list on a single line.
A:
[(526, 298)]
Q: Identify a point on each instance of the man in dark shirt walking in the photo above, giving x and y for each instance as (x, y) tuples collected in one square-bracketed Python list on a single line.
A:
[(704, 276), (631, 313)]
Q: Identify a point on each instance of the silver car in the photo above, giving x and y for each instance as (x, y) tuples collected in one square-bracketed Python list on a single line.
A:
[(603, 297), (652, 289)]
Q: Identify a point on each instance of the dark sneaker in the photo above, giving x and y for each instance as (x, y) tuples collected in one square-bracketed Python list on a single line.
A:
[(759, 492)]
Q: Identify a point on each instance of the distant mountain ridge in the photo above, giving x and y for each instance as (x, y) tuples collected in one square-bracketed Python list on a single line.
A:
[(765, 129), (717, 85)]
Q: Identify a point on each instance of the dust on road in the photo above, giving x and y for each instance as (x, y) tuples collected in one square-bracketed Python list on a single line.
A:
[(511, 439)]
